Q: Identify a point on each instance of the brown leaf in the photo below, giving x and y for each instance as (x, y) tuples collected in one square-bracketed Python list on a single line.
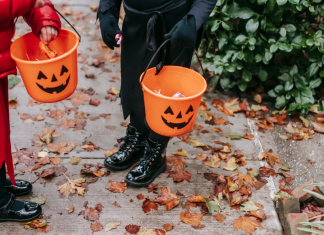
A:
[(200, 226), (202, 106), (111, 151), (140, 196), (196, 198), (247, 224), (220, 121), (132, 229), (190, 218), (116, 204), (152, 187), (168, 198), (79, 99), (96, 227), (72, 186), (88, 146), (56, 160), (292, 130), (70, 209), (45, 229), (75, 160), (216, 129), (113, 91), (219, 217), (249, 137), (271, 158), (94, 102), (202, 156), (319, 127), (13, 103), (149, 205), (47, 172), (200, 127), (258, 214), (258, 98), (61, 147), (181, 152), (117, 187), (267, 172), (111, 127), (176, 161), (168, 226), (56, 114), (180, 175)]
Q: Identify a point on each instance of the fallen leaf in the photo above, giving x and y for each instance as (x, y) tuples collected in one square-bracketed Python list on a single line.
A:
[(111, 151), (146, 231), (264, 125), (176, 161), (219, 217), (220, 121), (180, 175), (319, 127), (56, 160), (271, 158), (61, 147), (70, 209), (168, 198), (231, 165), (75, 160), (249, 137), (56, 114), (149, 205), (202, 157), (258, 214), (181, 152), (202, 106), (196, 143), (293, 130), (247, 224), (94, 102), (96, 227), (45, 229), (285, 168), (47, 172), (13, 103), (257, 98), (190, 218), (116, 187), (216, 129), (88, 146), (213, 161), (213, 206), (79, 99), (39, 199), (111, 127), (233, 137), (111, 226), (152, 187), (168, 226), (283, 137), (250, 205), (197, 127), (72, 186), (132, 229), (267, 172)]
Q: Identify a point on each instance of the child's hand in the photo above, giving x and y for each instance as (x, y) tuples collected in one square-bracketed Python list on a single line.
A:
[(48, 33), (39, 3)]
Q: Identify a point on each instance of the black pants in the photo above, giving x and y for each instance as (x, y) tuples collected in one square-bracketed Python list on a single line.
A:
[(135, 56), (4, 195)]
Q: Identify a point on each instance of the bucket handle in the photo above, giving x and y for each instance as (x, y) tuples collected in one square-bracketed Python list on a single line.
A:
[(157, 51), (64, 19)]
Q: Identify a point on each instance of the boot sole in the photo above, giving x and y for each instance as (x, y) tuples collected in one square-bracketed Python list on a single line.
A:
[(143, 184), (21, 221), (122, 168), (23, 194)]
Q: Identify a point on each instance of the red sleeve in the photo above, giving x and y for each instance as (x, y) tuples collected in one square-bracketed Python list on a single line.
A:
[(42, 16), (10, 9)]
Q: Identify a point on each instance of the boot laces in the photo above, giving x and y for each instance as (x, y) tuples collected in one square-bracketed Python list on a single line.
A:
[(129, 141), (150, 153)]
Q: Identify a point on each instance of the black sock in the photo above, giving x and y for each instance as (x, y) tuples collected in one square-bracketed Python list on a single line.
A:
[(158, 138), (4, 195), (135, 122), (8, 182), (18, 205)]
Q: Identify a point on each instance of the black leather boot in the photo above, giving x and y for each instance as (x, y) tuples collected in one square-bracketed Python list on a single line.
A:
[(129, 152), (21, 187), (29, 212), (152, 164)]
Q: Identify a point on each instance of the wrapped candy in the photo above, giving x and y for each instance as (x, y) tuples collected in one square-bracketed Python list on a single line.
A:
[(119, 38), (47, 50), (178, 95)]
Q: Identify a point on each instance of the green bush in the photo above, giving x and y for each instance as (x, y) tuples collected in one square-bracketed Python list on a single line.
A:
[(259, 40)]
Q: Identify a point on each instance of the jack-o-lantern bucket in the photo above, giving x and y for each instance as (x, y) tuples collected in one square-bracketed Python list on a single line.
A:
[(166, 115), (47, 80)]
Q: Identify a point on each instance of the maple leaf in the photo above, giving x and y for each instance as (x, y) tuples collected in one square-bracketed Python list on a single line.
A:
[(149, 205), (181, 152), (42, 161), (46, 135), (271, 158), (75, 160), (176, 161), (96, 227), (247, 224), (168, 226), (231, 165), (190, 218), (132, 229), (79, 99), (152, 187), (111, 226), (62, 147), (70, 209), (264, 125), (196, 198), (47, 172), (72, 186), (56, 114), (226, 149), (219, 217), (179, 175), (88, 146), (250, 205), (168, 198), (116, 187), (111, 151)]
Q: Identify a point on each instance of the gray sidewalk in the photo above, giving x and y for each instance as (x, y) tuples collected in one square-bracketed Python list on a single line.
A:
[(95, 131)]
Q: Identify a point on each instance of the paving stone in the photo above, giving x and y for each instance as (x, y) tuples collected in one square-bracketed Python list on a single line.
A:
[(292, 223), (286, 206)]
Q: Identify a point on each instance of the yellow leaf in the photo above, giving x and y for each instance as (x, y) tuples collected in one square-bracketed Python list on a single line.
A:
[(231, 165)]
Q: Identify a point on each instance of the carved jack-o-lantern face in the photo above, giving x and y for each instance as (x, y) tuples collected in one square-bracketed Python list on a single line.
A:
[(181, 119), (46, 84)]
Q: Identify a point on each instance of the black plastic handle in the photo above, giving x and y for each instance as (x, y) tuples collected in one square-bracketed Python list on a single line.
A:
[(64, 19), (157, 51)]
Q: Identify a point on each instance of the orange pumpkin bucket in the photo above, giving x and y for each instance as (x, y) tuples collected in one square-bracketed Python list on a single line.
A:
[(166, 115), (47, 80)]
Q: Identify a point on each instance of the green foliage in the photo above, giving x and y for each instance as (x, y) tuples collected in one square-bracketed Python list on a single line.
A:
[(260, 40)]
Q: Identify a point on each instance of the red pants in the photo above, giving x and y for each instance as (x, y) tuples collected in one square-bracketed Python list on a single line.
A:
[(5, 145)]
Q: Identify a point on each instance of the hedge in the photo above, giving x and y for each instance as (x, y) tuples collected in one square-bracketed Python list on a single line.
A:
[(260, 40)]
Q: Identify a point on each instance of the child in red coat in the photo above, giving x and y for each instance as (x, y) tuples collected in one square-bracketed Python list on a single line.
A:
[(46, 25)]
